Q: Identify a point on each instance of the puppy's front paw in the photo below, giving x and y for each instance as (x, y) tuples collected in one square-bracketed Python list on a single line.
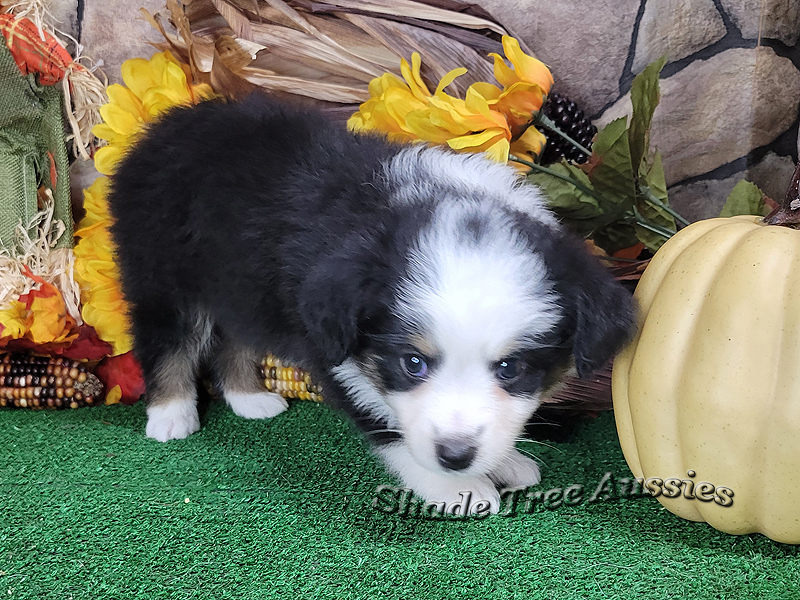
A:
[(172, 420), (516, 471), (439, 487), (453, 489), (260, 405)]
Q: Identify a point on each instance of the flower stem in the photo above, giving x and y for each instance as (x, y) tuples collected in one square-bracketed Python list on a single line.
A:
[(653, 200), (549, 124), (586, 190), (665, 233), (644, 223)]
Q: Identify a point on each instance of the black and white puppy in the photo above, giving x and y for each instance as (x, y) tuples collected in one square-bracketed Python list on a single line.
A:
[(431, 294)]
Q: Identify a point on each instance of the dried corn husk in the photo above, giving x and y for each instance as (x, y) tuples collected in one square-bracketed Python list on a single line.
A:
[(326, 52)]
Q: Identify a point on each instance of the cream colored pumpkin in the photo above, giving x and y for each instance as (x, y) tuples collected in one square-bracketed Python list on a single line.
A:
[(711, 383)]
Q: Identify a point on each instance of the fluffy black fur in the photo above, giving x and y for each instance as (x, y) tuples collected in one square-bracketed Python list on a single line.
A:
[(274, 224)]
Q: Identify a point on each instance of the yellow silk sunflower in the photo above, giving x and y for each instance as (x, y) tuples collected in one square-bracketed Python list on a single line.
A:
[(151, 87), (488, 119)]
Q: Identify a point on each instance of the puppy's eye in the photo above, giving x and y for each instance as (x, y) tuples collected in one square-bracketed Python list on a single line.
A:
[(508, 369), (414, 365)]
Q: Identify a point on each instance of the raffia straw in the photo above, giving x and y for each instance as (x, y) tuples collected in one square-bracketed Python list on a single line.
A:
[(84, 94), (35, 10), (38, 253)]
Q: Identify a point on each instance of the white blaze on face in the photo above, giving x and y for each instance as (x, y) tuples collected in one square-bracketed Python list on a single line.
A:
[(474, 291)]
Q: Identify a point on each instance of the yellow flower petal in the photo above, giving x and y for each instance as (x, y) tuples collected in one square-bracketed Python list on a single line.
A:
[(504, 74), (114, 395), (527, 68), (476, 139), (498, 151), (449, 78), (419, 122), (519, 102), (399, 103), (125, 99), (94, 203), (486, 90), (14, 321), (106, 159), (139, 75), (120, 120), (413, 78), (529, 144), (105, 132), (174, 78), (379, 85)]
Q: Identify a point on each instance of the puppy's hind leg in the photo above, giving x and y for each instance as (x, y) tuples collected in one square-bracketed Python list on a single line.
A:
[(170, 345), (236, 373)]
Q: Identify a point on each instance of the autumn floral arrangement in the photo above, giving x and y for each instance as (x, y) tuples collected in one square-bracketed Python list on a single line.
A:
[(608, 187)]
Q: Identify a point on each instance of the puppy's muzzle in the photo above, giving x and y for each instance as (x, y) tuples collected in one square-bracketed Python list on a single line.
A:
[(456, 454)]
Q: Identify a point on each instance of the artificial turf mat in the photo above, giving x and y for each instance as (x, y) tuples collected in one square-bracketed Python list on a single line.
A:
[(282, 509)]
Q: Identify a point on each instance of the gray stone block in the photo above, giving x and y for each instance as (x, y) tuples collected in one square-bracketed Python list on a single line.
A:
[(781, 18), (717, 110), (677, 28)]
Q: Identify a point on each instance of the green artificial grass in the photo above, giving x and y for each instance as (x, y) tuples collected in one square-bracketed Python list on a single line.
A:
[(282, 509)]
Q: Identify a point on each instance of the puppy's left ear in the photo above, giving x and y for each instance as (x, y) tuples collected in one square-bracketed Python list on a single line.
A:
[(605, 318), (601, 312)]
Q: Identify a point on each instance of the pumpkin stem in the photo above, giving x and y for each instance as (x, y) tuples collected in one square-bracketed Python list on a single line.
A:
[(788, 213)]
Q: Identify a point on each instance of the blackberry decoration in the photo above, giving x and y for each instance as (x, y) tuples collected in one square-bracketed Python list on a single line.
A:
[(570, 119)]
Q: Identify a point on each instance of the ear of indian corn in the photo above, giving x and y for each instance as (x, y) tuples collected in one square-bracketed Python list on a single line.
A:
[(288, 381), (40, 382)]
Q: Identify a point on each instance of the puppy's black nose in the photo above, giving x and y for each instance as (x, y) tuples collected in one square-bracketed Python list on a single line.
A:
[(455, 455)]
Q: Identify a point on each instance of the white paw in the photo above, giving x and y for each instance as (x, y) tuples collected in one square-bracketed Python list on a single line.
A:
[(259, 405), (517, 471), (172, 420), (439, 487), (453, 489)]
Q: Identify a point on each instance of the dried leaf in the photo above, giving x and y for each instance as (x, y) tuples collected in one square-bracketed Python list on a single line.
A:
[(238, 22), (330, 50), (232, 54), (233, 85), (296, 46), (329, 92), (409, 8)]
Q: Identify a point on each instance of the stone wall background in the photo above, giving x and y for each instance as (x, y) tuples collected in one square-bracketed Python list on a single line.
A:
[(730, 90)]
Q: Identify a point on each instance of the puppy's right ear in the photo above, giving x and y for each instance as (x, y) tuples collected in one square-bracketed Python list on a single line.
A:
[(336, 297)]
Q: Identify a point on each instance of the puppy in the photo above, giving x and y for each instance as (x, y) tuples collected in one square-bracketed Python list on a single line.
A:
[(432, 294)]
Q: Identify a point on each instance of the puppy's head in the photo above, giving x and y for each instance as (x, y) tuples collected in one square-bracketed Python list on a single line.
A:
[(452, 324)]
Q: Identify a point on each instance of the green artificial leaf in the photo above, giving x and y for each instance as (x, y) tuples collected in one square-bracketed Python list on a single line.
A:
[(745, 199), (654, 183), (651, 239), (578, 210), (609, 168), (645, 95), (616, 236)]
